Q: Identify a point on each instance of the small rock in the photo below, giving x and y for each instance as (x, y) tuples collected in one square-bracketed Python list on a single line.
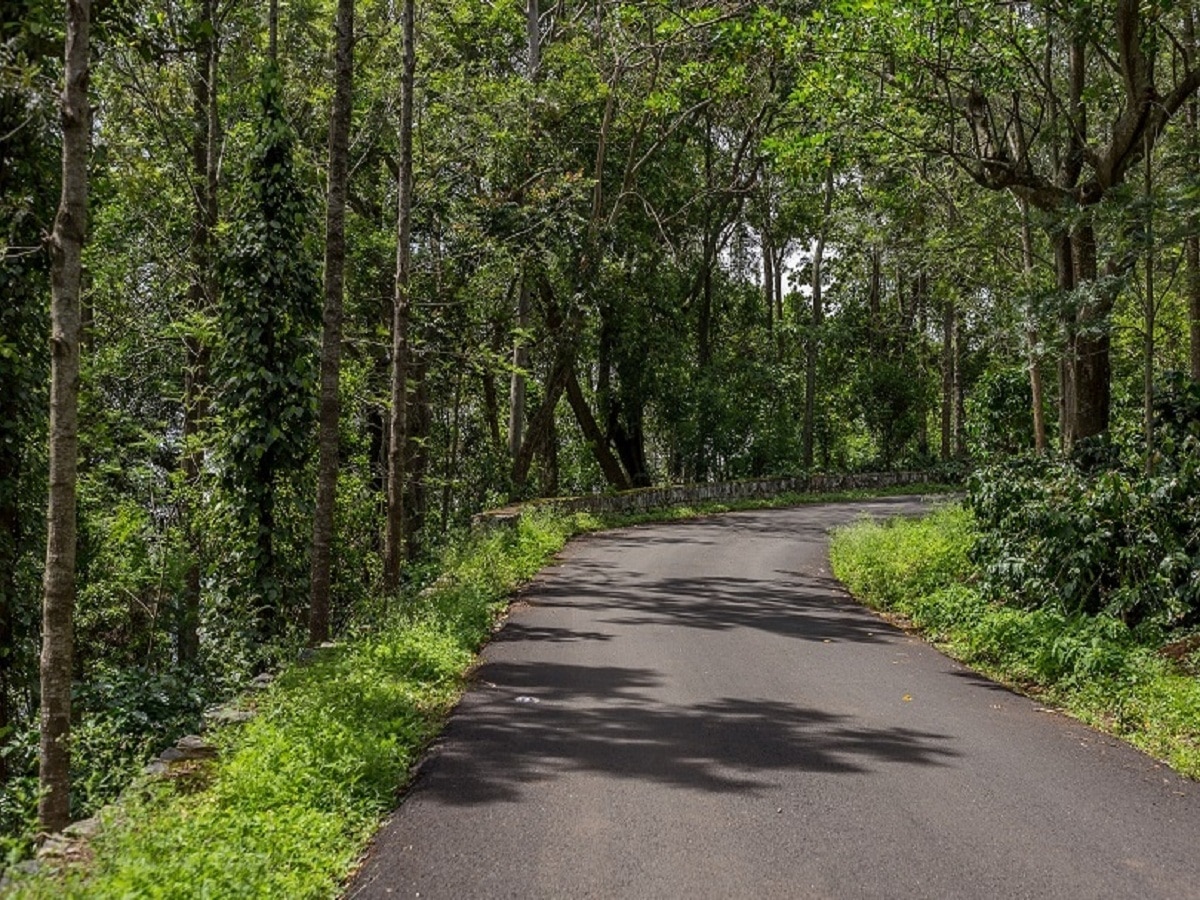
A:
[(84, 829), (155, 768), (195, 747), (26, 868), (54, 847), (227, 715), (262, 682)]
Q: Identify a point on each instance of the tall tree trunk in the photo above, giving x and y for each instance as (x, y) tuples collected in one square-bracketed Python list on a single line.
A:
[(397, 525), (812, 345), (1091, 368), (416, 465), (947, 430), (520, 353), (1031, 337), (331, 335), (768, 262), (453, 445), (1065, 276), (58, 603), (533, 35), (10, 544), (539, 424), (202, 297), (520, 360), (1192, 241), (1149, 313), (960, 387)]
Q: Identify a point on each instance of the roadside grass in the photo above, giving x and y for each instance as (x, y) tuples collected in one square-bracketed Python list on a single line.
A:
[(1095, 668), (295, 793)]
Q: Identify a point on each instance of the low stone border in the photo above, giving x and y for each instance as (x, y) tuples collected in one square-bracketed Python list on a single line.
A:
[(645, 499)]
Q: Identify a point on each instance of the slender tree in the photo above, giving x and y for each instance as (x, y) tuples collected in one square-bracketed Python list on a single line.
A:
[(395, 538), (202, 301), (58, 605), (331, 341)]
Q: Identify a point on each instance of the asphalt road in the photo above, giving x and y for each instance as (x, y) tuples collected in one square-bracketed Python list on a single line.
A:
[(698, 710)]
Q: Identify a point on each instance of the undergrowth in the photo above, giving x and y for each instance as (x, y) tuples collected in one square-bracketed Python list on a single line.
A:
[(297, 790), (1096, 667)]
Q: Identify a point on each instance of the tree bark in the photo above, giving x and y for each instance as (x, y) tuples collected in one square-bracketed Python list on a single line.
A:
[(812, 345), (947, 430), (1192, 241), (595, 437), (960, 387), (397, 525), (520, 360), (331, 335), (202, 297), (1031, 336), (58, 604), (1149, 313), (416, 465), (539, 423)]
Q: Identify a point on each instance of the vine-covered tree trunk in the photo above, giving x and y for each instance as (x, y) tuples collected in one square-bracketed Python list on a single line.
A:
[(329, 416), (58, 604), (397, 524)]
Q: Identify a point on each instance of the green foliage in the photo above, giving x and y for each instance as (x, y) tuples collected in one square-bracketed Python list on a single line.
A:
[(1000, 413), (1095, 665), (1077, 539), (268, 354)]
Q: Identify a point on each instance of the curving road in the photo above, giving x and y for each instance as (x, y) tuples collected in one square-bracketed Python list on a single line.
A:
[(698, 710)]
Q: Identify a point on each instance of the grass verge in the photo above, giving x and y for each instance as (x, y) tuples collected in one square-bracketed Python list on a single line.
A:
[(1092, 667), (295, 793)]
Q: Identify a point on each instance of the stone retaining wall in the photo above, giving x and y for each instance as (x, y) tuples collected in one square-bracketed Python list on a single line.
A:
[(646, 499)]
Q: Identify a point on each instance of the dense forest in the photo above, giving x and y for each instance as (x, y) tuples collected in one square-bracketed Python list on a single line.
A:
[(291, 291)]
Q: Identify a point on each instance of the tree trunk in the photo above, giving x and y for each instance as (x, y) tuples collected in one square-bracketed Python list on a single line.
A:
[(960, 388), (1149, 312), (520, 359), (202, 297), (948, 318), (1192, 241), (768, 262), (1031, 337), (1091, 369), (539, 424), (58, 604), (592, 433), (397, 526), (534, 36), (420, 420), (812, 345), (273, 30), (331, 335)]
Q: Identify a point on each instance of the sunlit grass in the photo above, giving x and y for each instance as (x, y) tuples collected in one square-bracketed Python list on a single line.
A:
[(1092, 666)]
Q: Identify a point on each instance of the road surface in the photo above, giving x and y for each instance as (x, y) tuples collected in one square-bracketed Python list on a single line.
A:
[(698, 710)]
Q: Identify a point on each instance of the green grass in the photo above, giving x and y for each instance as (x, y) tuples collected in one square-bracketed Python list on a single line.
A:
[(296, 792), (1093, 667)]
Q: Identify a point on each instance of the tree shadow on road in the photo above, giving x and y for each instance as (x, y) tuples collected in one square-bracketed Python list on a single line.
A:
[(529, 723), (796, 605)]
